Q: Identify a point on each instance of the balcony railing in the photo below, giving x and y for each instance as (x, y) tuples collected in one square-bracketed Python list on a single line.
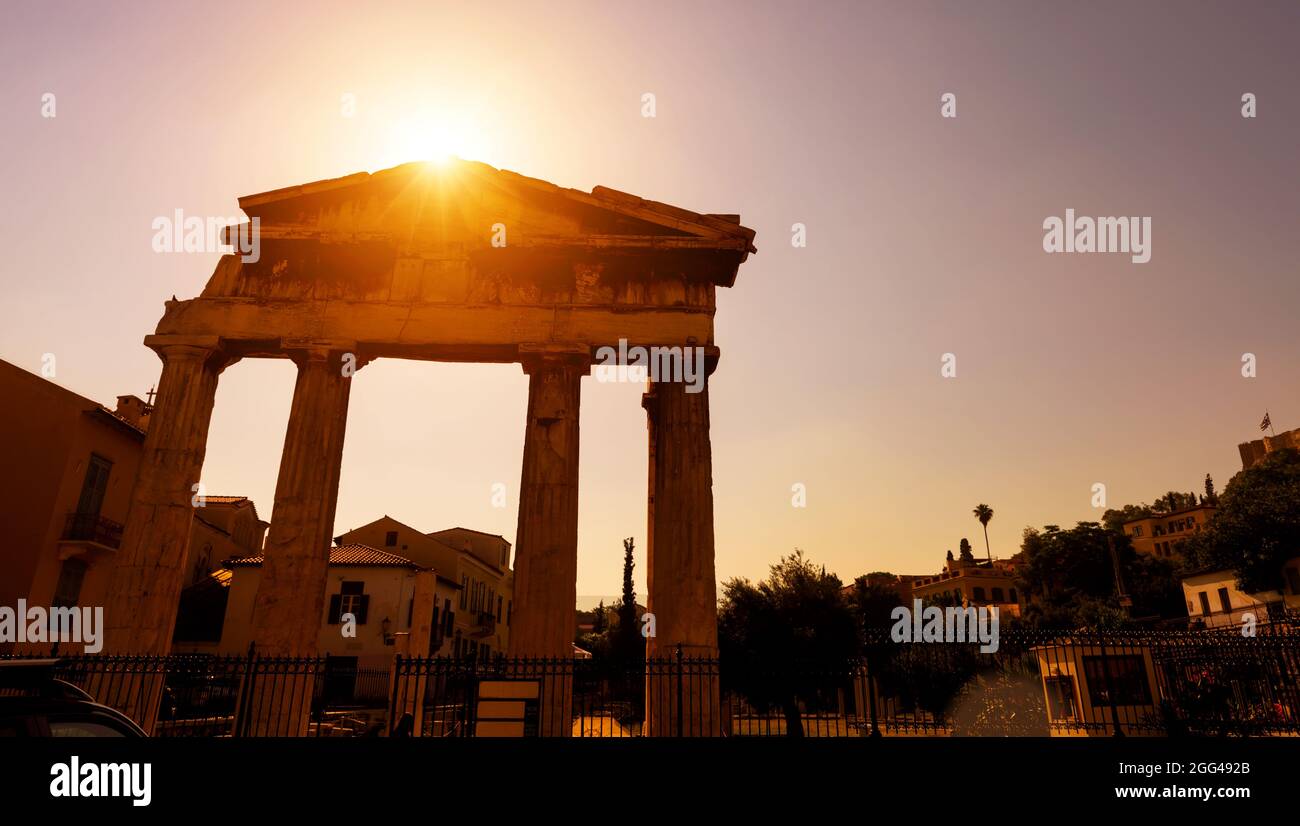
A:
[(91, 527), (485, 624)]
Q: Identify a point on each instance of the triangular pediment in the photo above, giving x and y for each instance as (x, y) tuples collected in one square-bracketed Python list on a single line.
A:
[(460, 201)]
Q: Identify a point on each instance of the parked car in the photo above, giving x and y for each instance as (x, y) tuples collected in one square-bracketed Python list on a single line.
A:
[(35, 702)]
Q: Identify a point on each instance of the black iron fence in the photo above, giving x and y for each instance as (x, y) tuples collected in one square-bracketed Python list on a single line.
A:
[(201, 695), (1087, 684), (1205, 683)]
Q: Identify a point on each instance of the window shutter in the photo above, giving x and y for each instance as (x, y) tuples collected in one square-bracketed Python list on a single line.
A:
[(336, 605), (363, 604)]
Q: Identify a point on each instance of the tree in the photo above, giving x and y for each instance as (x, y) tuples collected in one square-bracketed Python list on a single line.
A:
[(984, 513), (1256, 528), (873, 599), (1211, 497), (777, 637), (1114, 520), (629, 645), (964, 551), (599, 623), (1174, 501), (1070, 579)]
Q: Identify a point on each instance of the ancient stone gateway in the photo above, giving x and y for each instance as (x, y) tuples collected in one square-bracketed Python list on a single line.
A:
[(461, 262)]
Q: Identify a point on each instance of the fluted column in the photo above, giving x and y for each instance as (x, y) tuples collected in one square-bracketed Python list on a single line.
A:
[(546, 542), (679, 563), (144, 590), (290, 602)]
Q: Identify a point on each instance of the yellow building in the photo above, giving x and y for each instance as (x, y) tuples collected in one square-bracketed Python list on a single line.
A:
[(1091, 688), (63, 514), (377, 588), (1214, 600), (1161, 535), (70, 466), (475, 589), (971, 582)]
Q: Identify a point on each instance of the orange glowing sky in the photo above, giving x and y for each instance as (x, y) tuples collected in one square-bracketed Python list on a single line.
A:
[(924, 237)]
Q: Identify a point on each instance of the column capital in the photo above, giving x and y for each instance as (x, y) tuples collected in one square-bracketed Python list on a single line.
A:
[(324, 351), (534, 357), (210, 350)]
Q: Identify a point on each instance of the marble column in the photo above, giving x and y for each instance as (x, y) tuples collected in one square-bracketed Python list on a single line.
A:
[(546, 542), (290, 603), (145, 586), (682, 695)]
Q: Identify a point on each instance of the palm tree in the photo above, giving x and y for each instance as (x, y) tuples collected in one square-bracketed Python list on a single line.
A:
[(984, 513)]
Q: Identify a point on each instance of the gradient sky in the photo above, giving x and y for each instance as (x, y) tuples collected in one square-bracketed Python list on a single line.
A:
[(924, 237)]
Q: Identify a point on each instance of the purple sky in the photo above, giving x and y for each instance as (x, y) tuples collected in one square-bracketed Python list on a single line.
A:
[(924, 237)]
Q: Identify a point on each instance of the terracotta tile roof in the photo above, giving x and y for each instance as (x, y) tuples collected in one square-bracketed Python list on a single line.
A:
[(232, 500), (350, 555)]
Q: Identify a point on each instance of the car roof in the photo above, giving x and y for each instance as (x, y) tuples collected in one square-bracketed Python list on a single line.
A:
[(59, 707)]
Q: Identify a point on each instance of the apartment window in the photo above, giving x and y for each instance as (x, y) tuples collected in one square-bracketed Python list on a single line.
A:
[(1225, 603), (511, 604), (94, 486), (1205, 602), (1117, 680), (1011, 595), (448, 618), (498, 609), (390, 539), (351, 599), (979, 594), (464, 588), (68, 590), (997, 595), (1137, 531)]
